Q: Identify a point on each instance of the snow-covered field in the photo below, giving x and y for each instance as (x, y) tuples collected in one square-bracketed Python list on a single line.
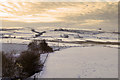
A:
[(82, 62), (25, 35)]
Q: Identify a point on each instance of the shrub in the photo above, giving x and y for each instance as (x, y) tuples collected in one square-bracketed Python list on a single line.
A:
[(8, 67), (23, 66), (44, 48), (39, 46), (30, 62), (32, 46), (27, 63)]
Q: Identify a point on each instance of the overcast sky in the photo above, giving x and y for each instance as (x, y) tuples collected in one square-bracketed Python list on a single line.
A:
[(60, 14)]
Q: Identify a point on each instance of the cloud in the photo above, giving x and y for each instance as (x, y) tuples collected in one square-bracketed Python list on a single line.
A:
[(92, 22), (66, 14)]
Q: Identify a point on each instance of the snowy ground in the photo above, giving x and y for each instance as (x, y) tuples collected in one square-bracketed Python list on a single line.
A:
[(76, 60), (82, 62)]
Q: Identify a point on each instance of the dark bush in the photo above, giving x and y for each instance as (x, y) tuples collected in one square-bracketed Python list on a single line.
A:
[(30, 62), (44, 48), (27, 63), (8, 67), (32, 46), (39, 46)]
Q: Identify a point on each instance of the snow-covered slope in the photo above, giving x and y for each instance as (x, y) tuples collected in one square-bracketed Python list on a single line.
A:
[(82, 62)]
